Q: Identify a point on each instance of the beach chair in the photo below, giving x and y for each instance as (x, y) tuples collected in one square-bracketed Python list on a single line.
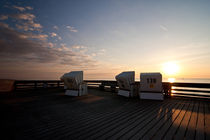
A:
[(151, 86), (126, 83), (74, 84)]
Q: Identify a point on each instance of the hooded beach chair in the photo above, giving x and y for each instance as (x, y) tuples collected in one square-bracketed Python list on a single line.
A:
[(126, 83), (74, 84), (151, 86)]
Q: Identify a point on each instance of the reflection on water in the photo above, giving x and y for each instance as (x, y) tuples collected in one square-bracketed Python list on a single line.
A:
[(171, 80), (187, 80), (179, 80)]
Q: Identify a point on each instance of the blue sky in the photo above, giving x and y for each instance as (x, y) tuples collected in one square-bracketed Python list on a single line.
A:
[(103, 38)]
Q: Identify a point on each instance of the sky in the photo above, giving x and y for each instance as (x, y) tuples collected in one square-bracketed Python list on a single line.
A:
[(45, 39)]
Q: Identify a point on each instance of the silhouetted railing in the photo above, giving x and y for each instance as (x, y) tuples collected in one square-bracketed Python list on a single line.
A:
[(177, 89), (191, 89), (35, 84)]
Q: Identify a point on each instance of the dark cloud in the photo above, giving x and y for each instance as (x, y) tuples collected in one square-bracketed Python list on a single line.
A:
[(24, 47), (25, 21)]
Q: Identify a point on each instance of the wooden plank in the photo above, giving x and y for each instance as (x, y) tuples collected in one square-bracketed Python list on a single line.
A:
[(199, 135), (180, 131), (129, 122), (207, 120), (158, 131), (197, 85), (191, 128), (77, 122), (171, 126), (95, 128), (88, 126), (191, 95), (164, 111), (190, 90), (153, 121), (153, 129)]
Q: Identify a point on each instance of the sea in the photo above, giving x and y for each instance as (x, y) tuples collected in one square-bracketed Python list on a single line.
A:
[(176, 80), (189, 92)]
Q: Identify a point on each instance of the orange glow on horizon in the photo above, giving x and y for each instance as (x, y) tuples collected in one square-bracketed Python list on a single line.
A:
[(171, 80), (171, 69)]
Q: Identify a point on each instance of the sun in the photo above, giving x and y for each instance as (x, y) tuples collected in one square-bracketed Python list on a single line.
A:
[(170, 68)]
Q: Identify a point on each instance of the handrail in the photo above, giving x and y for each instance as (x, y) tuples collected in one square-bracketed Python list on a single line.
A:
[(185, 89)]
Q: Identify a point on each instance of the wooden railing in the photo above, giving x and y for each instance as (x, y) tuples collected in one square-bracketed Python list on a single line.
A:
[(191, 89), (177, 89), (36, 84)]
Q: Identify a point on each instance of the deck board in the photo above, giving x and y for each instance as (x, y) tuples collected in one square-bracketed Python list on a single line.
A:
[(200, 123), (102, 115), (191, 129), (180, 132), (207, 121)]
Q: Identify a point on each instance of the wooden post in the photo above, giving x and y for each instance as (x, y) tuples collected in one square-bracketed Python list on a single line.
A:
[(58, 83), (167, 89), (35, 85), (15, 85), (113, 88), (101, 87)]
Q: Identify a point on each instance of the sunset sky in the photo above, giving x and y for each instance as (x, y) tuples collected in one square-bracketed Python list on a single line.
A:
[(44, 39)]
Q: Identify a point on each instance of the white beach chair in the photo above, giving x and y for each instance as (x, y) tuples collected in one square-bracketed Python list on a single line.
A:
[(151, 86), (126, 83), (74, 84)]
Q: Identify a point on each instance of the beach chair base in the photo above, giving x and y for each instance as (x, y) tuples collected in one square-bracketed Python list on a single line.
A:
[(81, 91), (72, 92), (124, 93), (152, 96)]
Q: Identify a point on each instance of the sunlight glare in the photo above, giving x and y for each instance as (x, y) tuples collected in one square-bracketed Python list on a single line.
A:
[(170, 68), (171, 80)]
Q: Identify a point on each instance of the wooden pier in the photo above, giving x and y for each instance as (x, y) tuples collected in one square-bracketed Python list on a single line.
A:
[(46, 113)]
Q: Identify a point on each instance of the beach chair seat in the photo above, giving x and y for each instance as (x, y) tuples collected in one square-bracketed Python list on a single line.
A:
[(74, 84), (126, 83), (151, 86)]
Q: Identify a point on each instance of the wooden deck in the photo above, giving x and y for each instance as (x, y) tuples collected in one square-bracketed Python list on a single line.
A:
[(49, 114)]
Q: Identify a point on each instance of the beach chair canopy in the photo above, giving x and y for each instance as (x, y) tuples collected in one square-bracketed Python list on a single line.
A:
[(72, 79), (151, 82), (125, 79)]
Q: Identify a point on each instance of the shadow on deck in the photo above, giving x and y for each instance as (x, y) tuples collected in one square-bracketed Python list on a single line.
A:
[(49, 114)]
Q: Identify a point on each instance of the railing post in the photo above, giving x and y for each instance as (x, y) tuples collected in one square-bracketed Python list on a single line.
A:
[(58, 84), (101, 86), (169, 89), (35, 85), (15, 85), (113, 88)]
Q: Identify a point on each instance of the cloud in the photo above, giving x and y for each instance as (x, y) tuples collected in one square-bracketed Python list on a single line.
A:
[(51, 45), (25, 21), (3, 17), (29, 8), (99, 52), (164, 28), (4, 25), (22, 8), (55, 27), (53, 34), (78, 47), (28, 26), (19, 8), (60, 38), (72, 29), (23, 16), (26, 47)]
